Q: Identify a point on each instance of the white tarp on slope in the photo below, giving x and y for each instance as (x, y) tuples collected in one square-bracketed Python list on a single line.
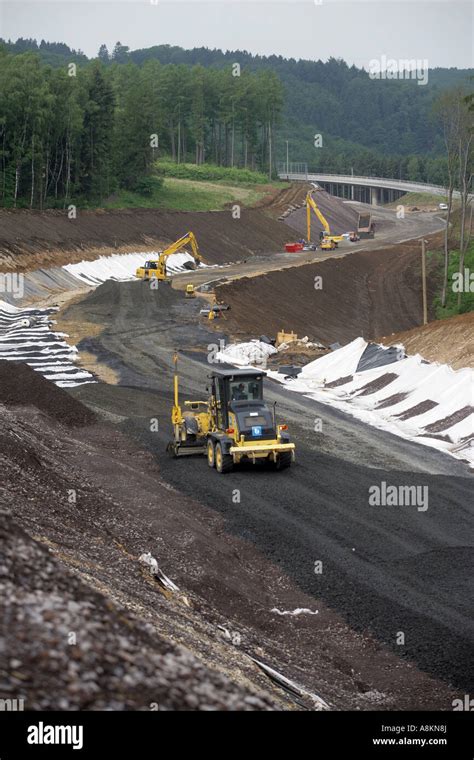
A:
[(422, 394), (418, 382), (122, 266), (25, 336)]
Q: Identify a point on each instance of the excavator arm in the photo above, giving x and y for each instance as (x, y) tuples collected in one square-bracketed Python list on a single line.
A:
[(177, 246), (311, 205), (159, 268)]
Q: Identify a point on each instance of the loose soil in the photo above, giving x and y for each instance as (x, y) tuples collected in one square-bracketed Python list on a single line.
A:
[(34, 239), (366, 293), (449, 341)]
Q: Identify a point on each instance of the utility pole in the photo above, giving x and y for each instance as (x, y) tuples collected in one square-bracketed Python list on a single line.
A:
[(287, 160), (423, 280)]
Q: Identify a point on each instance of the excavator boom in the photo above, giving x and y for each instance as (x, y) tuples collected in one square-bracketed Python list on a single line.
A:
[(157, 268), (312, 206)]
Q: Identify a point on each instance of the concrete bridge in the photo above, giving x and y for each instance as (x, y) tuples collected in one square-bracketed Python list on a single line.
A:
[(374, 190)]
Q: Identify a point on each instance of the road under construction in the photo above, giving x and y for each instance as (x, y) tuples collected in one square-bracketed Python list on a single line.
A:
[(249, 550)]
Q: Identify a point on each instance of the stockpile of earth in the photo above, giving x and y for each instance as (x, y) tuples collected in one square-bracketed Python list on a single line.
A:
[(20, 385), (133, 301), (69, 648)]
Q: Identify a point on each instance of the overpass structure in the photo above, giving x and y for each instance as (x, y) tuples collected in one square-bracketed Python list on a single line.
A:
[(374, 190)]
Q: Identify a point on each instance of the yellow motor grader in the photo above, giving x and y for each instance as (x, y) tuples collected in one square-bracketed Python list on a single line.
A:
[(233, 425)]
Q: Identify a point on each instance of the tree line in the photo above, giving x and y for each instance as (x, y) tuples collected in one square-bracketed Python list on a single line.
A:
[(100, 130), (82, 131)]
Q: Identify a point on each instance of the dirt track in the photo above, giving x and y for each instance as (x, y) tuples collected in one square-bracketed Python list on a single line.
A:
[(384, 571), (95, 538)]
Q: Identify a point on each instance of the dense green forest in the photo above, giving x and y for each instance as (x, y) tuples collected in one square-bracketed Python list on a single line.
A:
[(84, 132)]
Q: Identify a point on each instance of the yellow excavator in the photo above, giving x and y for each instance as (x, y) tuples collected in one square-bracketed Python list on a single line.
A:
[(328, 241), (156, 268), (233, 425)]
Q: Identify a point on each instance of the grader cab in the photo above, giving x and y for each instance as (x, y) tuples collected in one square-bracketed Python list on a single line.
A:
[(233, 426)]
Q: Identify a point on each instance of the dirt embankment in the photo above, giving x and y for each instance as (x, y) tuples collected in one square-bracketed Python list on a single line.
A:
[(340, 216), (70, 542), (370, 293), (290, 197), (33, 239), (450, 341)]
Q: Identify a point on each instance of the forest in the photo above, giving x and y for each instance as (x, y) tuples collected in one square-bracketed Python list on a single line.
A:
[(83, 131), (71, 127)]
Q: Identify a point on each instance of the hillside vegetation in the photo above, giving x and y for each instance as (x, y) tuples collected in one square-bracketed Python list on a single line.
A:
[(80, 135)]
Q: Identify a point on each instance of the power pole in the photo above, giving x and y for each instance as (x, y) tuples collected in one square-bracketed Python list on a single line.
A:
[(287, 161), (423, 280)]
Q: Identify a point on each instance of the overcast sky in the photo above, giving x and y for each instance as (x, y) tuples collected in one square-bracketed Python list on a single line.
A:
[(440, 31)]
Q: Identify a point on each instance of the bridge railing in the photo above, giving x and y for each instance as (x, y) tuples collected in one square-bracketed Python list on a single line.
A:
[(382, 179), (349, 178)]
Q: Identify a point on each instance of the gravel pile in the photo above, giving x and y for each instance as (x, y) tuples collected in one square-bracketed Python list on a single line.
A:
[(65, 647), (21, 385)]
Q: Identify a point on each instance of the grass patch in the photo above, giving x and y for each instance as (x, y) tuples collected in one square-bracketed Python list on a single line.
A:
[(467, 297), (189, 195), (209, 173), (419, 199)]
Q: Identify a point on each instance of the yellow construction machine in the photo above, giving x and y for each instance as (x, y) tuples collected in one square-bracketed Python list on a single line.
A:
[(328, 241), (190, 291), (156, 268), (233, 425)]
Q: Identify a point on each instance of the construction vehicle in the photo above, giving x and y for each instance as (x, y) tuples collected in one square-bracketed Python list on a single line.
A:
[(156, 269), (327, 244), (365, 226), (190, 292), (234, 425), (327, 239)]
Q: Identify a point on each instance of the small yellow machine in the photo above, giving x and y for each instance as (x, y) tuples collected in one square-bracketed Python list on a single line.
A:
[(328, 242), (190, 292), (156, 268), (234, 425)]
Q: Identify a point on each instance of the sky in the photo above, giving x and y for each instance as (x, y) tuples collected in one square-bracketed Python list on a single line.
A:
[(438, 31)]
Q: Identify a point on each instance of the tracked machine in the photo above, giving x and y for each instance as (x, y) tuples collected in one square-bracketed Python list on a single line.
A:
[(233, 425), (328, 241), (156, 269)]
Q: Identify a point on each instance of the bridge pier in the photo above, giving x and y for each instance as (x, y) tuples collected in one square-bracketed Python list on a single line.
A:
[(374, 196)]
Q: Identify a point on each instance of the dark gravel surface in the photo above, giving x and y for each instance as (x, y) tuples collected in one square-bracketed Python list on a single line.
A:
[(20, 384), (376, 560)]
